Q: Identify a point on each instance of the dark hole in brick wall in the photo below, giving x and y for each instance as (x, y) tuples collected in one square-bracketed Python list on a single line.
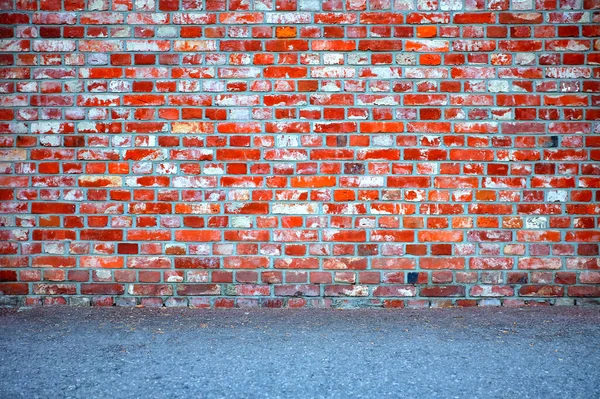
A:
[(412, 277)]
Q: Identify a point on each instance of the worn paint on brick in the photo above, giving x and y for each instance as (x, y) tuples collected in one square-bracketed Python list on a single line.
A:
[(300, 153)]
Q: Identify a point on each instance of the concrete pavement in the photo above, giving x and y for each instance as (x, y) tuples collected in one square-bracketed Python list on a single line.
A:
[(63, 352)]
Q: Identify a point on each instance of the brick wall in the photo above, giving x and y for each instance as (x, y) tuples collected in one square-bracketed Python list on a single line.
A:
[(307, 153)]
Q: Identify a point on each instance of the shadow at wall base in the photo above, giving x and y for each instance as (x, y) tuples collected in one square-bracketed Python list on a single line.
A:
[(286, 302)]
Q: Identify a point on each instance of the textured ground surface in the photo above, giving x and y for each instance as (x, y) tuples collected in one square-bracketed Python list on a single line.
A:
[(159, 353)]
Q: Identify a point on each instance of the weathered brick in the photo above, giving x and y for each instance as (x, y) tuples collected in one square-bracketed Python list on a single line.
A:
[(169, 150)]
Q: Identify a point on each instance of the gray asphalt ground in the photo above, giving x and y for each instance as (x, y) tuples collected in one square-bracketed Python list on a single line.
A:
[(66, 352)]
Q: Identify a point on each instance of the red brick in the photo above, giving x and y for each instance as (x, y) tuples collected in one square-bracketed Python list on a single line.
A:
[(259, 148)]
